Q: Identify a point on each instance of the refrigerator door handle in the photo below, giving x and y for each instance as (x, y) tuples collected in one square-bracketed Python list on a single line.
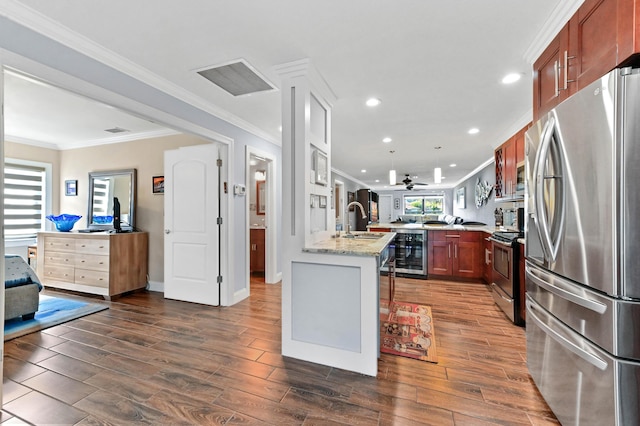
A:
[(588, 357), (550, 249), (538, 170), (590, 304)]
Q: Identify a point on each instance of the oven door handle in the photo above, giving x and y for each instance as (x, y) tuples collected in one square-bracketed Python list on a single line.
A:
[(563, 341), (590, 304), (502, 243)]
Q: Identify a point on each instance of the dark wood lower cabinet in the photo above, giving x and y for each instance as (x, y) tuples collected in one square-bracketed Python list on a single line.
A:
[(257, 247), (458, 254)]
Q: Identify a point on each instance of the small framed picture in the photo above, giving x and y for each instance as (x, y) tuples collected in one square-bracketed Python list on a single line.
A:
[(322, 202), (321, 168), (460, 198), (71, 188), (158, 184)]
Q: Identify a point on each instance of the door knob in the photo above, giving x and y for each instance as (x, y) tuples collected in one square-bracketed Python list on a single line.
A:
[(167, 231)]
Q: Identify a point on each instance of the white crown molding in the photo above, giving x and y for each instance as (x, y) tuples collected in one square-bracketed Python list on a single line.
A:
[(347, 176), (475, 171), (304, 67), (560, 15), (118, 139), (27, 141), (44, 25), (95, 142)]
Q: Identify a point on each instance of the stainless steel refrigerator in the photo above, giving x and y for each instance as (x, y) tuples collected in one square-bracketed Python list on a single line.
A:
[(582, 232)]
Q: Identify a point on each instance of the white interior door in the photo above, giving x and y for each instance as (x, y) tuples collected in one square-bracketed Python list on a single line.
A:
[(191, 254), (385, 206)]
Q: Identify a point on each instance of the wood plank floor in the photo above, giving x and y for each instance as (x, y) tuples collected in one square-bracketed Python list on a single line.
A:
[(148, 360)]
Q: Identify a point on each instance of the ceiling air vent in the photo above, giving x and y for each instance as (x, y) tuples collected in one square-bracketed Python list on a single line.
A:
[(116, 130), (237, 78)]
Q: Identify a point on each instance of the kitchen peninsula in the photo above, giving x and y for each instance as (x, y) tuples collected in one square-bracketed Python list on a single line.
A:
[(332, 315)]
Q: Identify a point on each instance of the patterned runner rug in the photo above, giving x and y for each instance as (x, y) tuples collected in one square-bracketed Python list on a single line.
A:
[(406, 329)]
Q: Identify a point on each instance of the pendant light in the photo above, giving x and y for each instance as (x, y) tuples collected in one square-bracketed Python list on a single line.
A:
[(437, 175), (392, 172)]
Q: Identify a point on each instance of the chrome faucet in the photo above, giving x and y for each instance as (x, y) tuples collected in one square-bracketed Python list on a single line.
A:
[(348, 234)]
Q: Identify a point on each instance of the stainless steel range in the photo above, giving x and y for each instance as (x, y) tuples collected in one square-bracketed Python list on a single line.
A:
[(505, 285)]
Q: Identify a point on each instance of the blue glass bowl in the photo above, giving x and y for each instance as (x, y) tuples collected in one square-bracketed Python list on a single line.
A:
[(64, 222), (101, 220)]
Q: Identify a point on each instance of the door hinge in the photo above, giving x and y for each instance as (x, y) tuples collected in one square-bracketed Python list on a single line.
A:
[(219, 162), (219, 279), (219, 221)]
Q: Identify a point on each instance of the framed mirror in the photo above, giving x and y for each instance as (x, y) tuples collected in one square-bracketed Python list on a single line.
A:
[(260, 197), (103, 187)]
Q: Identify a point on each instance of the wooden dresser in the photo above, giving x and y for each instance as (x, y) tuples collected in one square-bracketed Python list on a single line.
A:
[(97, 263)]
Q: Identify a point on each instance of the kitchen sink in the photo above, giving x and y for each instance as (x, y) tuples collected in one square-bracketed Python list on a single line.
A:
[(365, 236)]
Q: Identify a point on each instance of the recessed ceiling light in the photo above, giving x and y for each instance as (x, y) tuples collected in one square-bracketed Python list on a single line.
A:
[(377, 180), (386, 140), (511, 78), (452, 165), (473, 131), (363, 171), (372, 102)]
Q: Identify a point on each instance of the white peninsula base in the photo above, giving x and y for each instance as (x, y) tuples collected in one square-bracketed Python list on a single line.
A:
[(330, 309)]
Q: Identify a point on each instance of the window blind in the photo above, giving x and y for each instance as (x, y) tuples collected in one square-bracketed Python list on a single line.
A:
[(24, 191)]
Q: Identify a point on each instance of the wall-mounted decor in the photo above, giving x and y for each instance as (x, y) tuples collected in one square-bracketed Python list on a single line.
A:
[(396, 203), (323, 202), (483, 190), (71, 188), (158, 184), (461, 202), (351, 196), (322, 172)]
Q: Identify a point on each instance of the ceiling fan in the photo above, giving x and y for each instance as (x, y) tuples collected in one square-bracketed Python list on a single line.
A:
[(410, 184)]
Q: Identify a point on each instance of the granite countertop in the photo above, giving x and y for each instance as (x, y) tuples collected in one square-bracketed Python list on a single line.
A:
[(352, 246), (435, 227)]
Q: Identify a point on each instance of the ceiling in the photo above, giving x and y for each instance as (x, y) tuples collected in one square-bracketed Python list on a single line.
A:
[(436, 66)]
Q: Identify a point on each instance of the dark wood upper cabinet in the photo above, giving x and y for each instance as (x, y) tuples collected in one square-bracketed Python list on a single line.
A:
[(548, 72), (599, 37)]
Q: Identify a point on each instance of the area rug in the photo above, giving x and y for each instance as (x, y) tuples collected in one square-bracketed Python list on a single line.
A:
[(51, 311), (406, 329)]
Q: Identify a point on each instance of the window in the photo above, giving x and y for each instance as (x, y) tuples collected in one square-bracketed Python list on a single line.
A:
[(24, 197), (423, 204)]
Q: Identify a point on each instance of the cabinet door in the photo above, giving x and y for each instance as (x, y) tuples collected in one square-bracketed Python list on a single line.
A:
[(487, 268), (467, 261), (468, 255), (439, 257), (594, 34), (519, 144), (510, 168), (549, 83)]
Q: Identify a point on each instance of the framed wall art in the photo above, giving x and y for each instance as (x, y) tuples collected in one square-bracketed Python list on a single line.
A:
[(322, 172), (158, 184), (71, 188)]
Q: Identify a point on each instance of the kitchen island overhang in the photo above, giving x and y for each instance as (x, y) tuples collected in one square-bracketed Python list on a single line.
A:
[(331, 303)]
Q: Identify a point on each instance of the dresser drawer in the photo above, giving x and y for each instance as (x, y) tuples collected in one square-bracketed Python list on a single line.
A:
[(59, 244), (58, 273), (55, 258), (92, 246), (92, 262), (92, 278)]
